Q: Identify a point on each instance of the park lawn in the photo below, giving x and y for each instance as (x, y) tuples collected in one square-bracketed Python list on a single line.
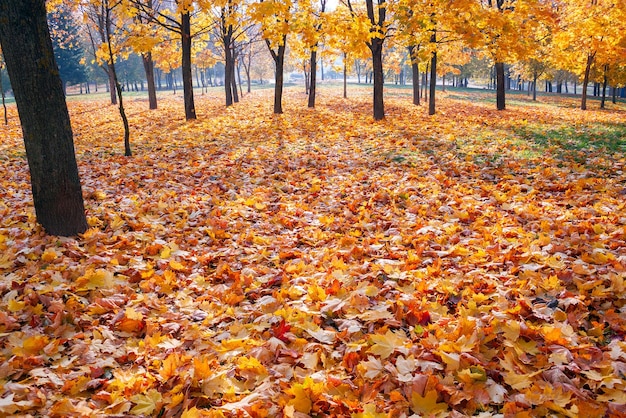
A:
[(318, 263)]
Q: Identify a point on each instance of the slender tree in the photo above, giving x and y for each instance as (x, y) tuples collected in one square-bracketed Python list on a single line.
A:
[(177, 21), (29, 56), (4, 103), (274, 18), (376, 16)]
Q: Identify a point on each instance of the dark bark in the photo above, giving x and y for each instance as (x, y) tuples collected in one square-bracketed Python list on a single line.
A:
[(46, 128), (118, 88), (376, 46), (4, 104), (190, 108), (583, 102), (415, 71), (279, 62), (433, 82), (248, 81), (313, 78), (535, 75), (605, 81), (148, 66), (229, 59), (345, 76), (111, 85), (433, 76), (500, 86)]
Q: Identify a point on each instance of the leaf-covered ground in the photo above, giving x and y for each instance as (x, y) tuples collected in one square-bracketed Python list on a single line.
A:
[(320, 264)]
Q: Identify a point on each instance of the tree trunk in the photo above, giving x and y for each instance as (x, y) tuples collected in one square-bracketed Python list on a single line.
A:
[(583, 103), (148, 66), (4, 104), (190, 109), (313, 78), (238, 67), (433, 76), (248, 81), (118, 88), (111, 85), (535, 86), (279, 61), (433, 84), (46, 128), (376, 46), (500, 87), (415, 74), (345, 76), (605, 81), (425, 81), (228, 69), (233, 82)]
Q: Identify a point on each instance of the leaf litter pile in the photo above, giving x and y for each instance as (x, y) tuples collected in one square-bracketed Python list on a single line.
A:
[(318, 263)]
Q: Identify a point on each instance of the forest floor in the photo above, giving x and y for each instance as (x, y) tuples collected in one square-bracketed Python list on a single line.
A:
[(318, 263)]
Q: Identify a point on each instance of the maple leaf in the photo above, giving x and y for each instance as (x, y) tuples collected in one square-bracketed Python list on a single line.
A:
[(146, 404), (385, 345), (279, 330), (427, 404), (372, 367), (369, 411)]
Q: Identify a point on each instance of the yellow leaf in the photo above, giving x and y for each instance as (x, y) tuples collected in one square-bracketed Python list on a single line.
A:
[(251, 364), (317, 293), (369, 411), (131, 313), (169, 366), (303, 393), (385, 345), (175, 265), (146, 404), (427, 404), (15, 306), (99, 279), (301, 400), (33, 345), (200, 413), (166, 252), (49, 255)]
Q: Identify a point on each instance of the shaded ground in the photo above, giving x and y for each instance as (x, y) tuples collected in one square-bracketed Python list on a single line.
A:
[(318, 263)]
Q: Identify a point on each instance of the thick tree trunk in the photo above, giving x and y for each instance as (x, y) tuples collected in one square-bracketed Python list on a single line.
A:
[(313, 78), (190, 108), (535, 87), (44, 117), (415, 71), (500, 86), (148, 66), (583, 102), (376, 46)]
